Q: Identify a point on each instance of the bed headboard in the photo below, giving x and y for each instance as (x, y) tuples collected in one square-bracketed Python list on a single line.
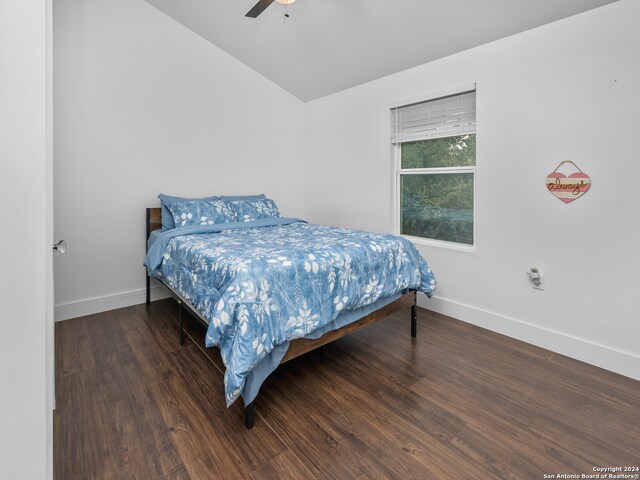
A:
[(154, 220)]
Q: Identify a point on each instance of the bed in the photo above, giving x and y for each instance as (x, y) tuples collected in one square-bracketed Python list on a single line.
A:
[(270, 289)]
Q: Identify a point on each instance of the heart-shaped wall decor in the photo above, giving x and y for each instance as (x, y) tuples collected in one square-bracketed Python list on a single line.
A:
[(568, 188)]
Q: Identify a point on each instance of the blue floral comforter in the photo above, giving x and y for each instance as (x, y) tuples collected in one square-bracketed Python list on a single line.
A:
[(260, 284)]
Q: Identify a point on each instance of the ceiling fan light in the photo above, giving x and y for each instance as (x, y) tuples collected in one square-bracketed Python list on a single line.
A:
[(285, 2)]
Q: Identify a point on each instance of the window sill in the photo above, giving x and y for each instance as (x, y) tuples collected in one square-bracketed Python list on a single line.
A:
[(441, 244)]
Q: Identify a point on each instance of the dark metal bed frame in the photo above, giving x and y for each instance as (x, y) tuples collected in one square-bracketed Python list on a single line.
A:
[(298, 346)]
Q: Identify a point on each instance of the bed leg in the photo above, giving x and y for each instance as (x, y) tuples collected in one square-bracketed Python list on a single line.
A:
[(414, 321), (181, 319), (321, 352), (248, 416), (148, 290), (414, 316)]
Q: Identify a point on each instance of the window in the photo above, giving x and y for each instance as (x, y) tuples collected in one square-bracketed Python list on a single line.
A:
[(434, 145)]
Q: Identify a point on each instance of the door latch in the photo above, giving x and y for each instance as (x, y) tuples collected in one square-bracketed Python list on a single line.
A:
[(60, 247)]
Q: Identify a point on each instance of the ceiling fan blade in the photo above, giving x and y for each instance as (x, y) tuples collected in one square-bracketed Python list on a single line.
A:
[(258, 8)]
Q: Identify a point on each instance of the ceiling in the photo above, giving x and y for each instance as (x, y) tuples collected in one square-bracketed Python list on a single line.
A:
[(330, 45)]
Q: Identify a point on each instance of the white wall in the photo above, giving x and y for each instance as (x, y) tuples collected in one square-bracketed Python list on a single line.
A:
[(143, 105), (568, 90), (25, 414)]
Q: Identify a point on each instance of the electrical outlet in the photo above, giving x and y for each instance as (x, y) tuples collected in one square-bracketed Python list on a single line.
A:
[(540, 285), (536, 277)]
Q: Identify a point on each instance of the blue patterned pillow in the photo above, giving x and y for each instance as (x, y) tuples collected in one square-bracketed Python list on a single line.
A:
[(166, 201), (249, 210), (201, 212)]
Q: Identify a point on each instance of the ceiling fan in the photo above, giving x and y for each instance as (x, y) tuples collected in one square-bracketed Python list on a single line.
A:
[(260, 7)]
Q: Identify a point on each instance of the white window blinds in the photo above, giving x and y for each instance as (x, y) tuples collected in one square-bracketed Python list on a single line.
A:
[(441, 117)]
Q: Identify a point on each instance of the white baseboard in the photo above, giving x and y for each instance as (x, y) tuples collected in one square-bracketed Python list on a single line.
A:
[(90, 306), (624, 363)]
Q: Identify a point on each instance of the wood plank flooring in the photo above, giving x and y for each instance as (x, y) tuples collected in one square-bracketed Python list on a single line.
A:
[(457, 402)]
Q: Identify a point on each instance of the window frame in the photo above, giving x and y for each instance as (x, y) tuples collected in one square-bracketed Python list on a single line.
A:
[(398, 172)]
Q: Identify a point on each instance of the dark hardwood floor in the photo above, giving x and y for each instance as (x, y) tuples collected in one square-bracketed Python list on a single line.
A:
[(457, 402)]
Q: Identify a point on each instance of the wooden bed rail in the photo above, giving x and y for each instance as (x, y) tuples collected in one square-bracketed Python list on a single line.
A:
[(300, 346)]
